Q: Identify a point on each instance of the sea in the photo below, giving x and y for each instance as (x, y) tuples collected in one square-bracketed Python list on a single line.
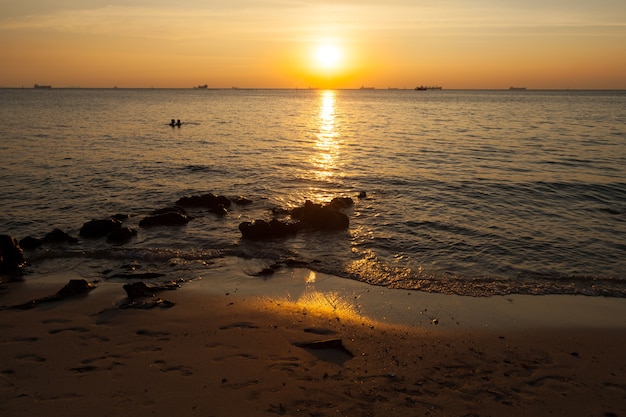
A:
[(466, 192)]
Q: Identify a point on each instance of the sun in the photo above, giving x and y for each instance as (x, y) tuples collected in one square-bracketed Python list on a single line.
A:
[(328, 56)]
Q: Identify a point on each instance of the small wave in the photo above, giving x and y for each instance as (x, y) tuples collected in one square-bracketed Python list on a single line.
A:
[(375, 272), (201, 168), (122, 254)]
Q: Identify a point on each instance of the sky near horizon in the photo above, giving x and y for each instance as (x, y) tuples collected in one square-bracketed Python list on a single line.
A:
[(559, 44)]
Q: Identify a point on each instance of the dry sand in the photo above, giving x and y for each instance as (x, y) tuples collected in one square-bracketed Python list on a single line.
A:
[(238, 353)]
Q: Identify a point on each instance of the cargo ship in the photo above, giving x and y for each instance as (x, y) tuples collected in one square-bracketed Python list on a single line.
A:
[(427, 87)]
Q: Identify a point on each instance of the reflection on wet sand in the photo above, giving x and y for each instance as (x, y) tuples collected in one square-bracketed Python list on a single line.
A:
[(326, 301)]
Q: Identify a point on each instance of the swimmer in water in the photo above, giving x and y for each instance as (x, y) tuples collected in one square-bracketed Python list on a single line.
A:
[(178, 123), (172, 123)]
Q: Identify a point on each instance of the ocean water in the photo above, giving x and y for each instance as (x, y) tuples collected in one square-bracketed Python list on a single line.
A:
[(468, 192)]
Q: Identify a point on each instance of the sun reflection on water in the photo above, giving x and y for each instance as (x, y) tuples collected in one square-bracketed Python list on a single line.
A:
[(327, 144)]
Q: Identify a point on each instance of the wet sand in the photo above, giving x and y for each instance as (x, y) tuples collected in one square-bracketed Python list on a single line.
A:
[(226, 352)]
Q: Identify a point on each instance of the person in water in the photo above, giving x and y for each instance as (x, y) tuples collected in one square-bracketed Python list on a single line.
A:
[(172, 123), (178, 123)]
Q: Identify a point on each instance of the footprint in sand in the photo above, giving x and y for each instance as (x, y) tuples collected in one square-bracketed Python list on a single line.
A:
[(152, 333), (183, 370), (240, 325), (104, 363), (25, 339), (83, 369), (56, 321), (320, 331), (69, 329), (31, 357), (235, 356), (289, 367)]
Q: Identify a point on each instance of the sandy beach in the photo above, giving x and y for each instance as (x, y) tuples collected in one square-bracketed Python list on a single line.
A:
[(333, 348)]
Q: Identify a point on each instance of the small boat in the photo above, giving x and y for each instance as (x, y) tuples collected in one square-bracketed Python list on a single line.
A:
[(37, 86), (202, 87), (427, 87)]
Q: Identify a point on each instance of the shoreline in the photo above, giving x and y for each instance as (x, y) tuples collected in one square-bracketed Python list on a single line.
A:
[(303, 288), (238, 346)]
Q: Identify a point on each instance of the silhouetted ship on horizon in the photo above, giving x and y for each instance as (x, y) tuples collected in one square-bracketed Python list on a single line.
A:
[(517, 88), (42, 86), (427, 87)]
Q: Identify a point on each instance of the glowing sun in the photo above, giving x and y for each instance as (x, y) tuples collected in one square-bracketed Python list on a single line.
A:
[(328, 56)]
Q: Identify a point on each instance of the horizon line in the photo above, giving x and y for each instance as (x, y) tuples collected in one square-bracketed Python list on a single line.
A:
[(516, 89)]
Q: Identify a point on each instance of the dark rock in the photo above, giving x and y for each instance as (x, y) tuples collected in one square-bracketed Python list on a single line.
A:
[(31, 243), (220, 210), (242, 201), (138, 290), (75, 288), (341, 203), (11, 254), (319, 217), (59, 236), (279, 211), (206, 200), (362, 195), (283, 228), (99, 227), (310, 216), (122, 235), (325, 344), (120, 217), (331, 350), (165, 219), (260, 229), (294, 263)]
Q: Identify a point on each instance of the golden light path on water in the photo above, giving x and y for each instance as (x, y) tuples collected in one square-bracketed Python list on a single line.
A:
[(327, 144), (327, 166)]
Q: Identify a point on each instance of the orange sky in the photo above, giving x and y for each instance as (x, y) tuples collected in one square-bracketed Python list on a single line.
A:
[(273, 43)]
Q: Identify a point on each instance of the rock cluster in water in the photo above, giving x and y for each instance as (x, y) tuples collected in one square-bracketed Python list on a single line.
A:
[(308, 217), (311, 216), (284, 223)]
